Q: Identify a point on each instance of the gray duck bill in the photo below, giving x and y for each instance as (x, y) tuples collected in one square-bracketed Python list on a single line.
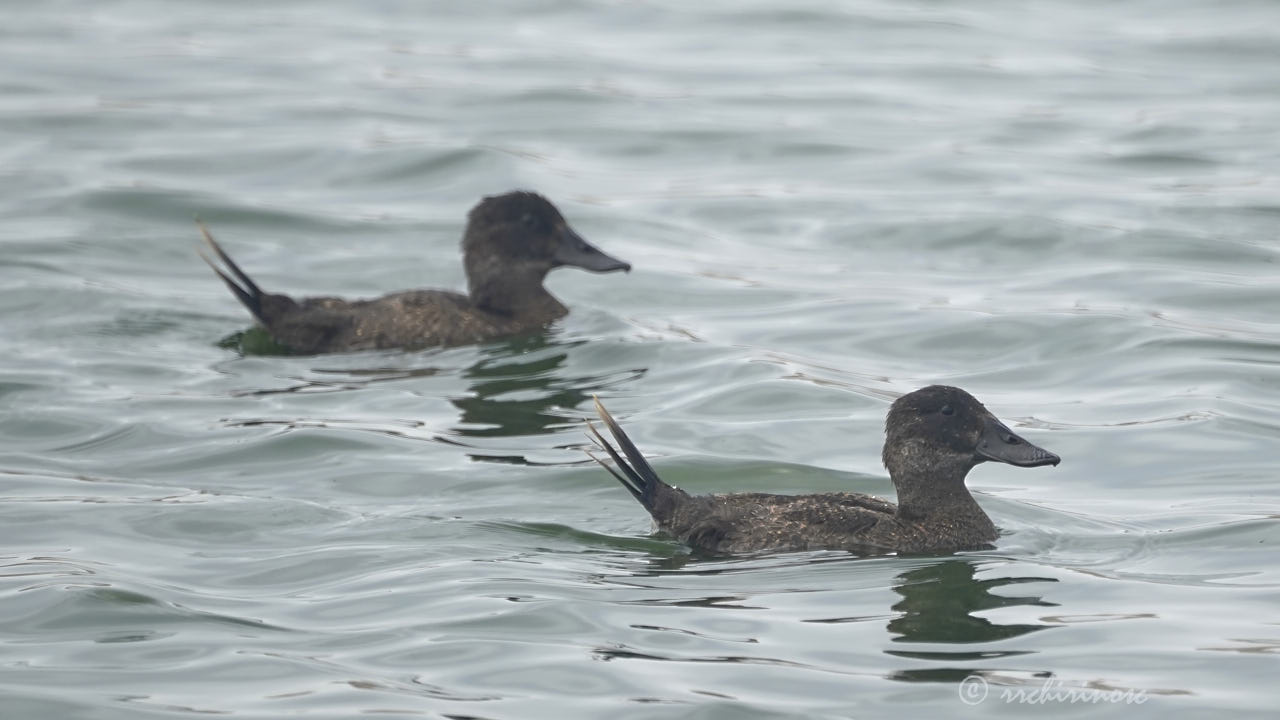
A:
[(575, 251), (1001, 444)]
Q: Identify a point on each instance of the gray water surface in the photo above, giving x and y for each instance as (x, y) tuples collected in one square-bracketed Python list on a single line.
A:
[(1068, 209)]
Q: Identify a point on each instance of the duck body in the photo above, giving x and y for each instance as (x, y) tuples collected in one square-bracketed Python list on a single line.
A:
[(409, 319), (934, 436), (857, 523), (511, 242)]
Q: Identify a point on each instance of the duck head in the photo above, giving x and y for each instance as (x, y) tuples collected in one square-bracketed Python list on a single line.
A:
[(935, 436), (512, 241)]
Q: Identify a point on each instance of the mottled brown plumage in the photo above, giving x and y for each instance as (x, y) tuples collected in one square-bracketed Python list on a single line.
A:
[(933, 437), (511, 242)]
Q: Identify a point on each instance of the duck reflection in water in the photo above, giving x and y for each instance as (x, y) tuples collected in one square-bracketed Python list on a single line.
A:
[(518, 389), (937, 608)]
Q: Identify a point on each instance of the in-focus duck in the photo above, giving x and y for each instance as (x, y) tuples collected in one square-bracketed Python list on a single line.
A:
[(511, 242), (933, 437)]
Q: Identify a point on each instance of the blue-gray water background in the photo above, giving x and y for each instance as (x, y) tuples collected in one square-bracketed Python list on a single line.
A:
[(1070, 209)]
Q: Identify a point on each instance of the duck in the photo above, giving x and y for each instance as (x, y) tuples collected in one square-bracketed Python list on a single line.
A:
[(933, 437), (510, 243)]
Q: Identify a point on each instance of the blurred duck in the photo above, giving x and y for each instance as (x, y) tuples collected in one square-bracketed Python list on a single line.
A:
[(511, 242)]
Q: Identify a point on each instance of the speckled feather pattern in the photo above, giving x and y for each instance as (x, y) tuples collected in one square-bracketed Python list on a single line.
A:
[(411, 319), (510, 244), (863, 524), (934, 436)]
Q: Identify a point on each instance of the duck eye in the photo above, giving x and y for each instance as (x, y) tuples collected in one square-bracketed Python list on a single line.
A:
[(947, 410)]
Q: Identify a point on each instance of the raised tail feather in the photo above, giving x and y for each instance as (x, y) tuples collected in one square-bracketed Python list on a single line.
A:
[(246, 291), (634, 472)]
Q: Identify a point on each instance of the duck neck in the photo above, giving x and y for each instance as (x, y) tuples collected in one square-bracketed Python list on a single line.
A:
[(932, 488), (515, 292)]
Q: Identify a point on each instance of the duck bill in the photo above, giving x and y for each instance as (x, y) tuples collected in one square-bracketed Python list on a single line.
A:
[(576, 252), (1001, 444)]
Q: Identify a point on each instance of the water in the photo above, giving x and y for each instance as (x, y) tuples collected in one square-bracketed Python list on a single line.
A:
[(1068, 210)]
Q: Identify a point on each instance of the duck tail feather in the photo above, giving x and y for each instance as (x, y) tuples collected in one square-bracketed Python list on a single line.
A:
[(636, 492), (644, 482), (629, 478), (246, 290)]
